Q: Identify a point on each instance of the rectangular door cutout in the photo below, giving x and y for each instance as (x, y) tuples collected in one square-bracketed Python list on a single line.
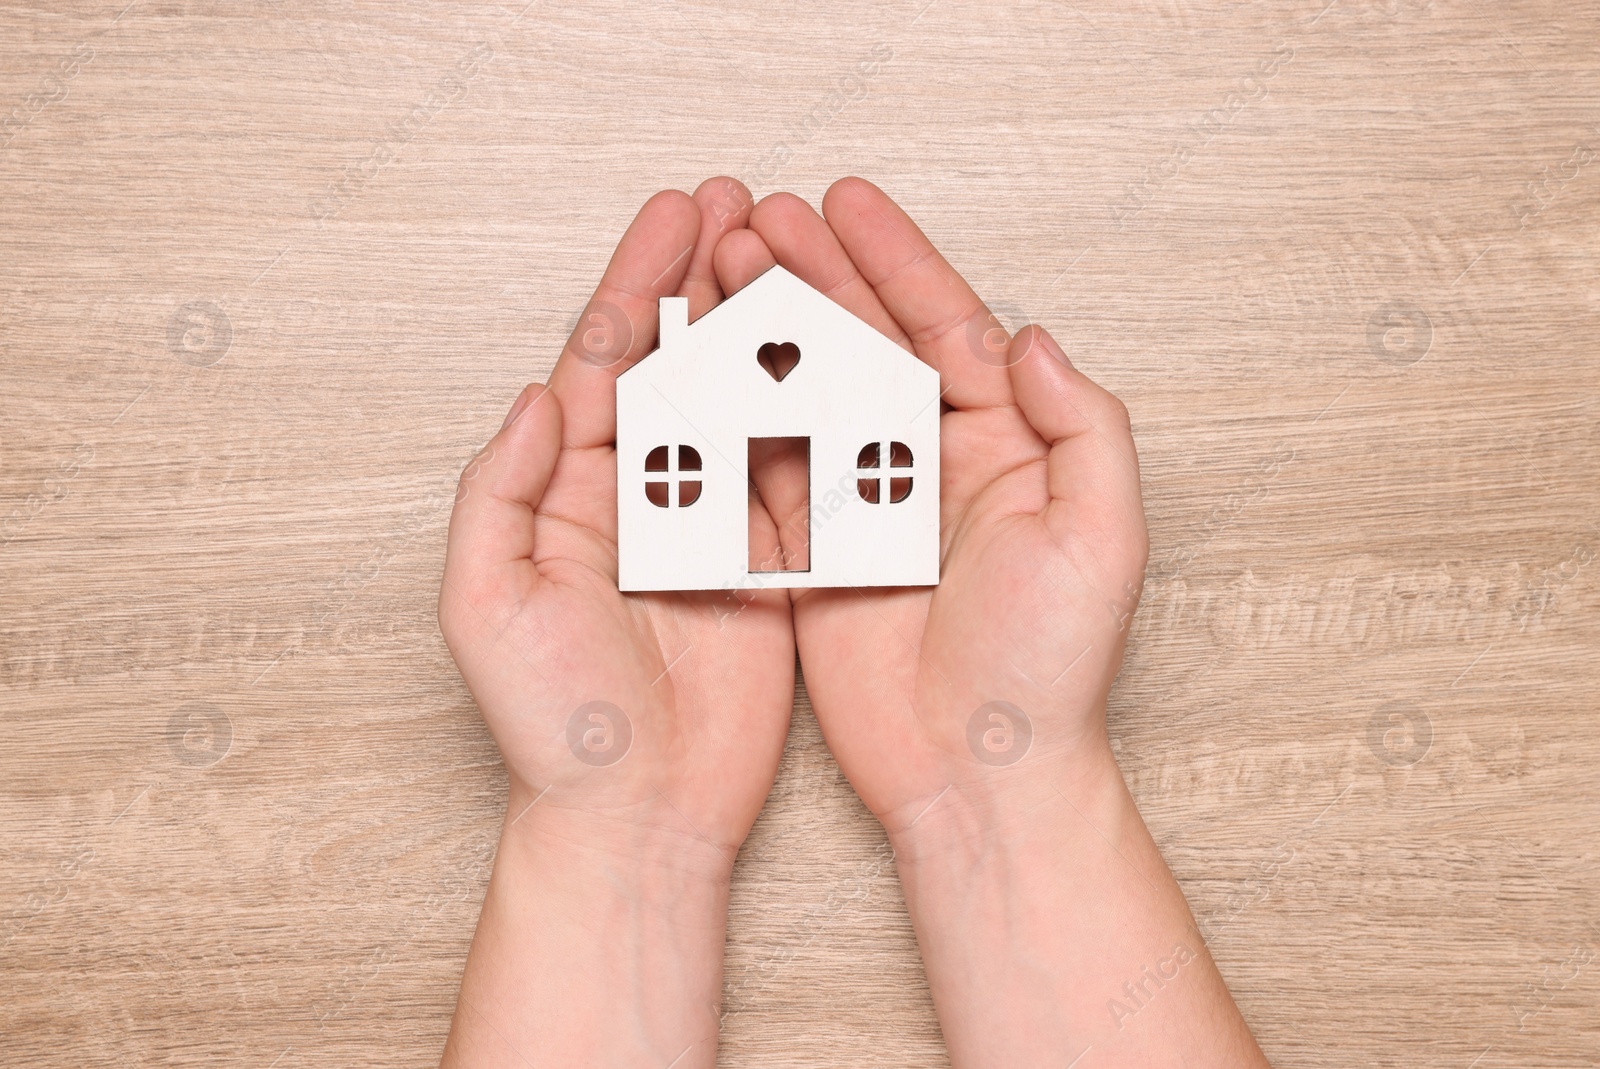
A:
[(780, 480)]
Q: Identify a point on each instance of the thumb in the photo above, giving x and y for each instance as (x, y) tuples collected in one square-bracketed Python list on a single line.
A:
[(490, 547), (1093, 469)]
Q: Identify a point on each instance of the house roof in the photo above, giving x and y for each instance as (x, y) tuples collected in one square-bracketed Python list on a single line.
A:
[(779, 284)]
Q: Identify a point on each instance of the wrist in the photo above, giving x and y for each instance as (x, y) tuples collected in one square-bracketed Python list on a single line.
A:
[(988, 811), (1034, 901), (641, 846), (599, 943)]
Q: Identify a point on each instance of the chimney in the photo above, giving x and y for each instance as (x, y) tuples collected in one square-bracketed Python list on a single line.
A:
[(674, 322)]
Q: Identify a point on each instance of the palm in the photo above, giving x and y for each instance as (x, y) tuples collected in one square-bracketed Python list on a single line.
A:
[(665, 708), (680, 738), (1043, 538)]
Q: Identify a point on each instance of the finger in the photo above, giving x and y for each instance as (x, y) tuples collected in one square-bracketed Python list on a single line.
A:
[(741, 258), (802, 241), (724, 205), (780, 470), (618, 326), (779, 467), (1092, 474), (950, 327), (490, 546), (766, 549)]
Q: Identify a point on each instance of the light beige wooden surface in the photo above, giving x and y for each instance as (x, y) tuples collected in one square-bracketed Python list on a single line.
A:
[(269, 277)]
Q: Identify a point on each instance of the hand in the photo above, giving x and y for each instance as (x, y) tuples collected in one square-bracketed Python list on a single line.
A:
[(1042, 532), (971, 717), (700, 683), (640, 732)]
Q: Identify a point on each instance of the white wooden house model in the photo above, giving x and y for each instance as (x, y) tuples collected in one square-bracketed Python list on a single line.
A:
[(776, 360)]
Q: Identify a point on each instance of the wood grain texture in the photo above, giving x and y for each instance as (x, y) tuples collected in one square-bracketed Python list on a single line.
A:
[(270, 276)]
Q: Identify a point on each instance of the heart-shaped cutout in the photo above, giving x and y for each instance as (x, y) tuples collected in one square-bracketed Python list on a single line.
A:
[(778, 358)]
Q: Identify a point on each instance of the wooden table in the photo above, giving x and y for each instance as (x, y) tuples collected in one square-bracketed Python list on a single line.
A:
[(273, 270)]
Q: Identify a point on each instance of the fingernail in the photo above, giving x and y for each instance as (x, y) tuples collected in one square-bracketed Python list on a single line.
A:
[(1049, 345), (516, 410)]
